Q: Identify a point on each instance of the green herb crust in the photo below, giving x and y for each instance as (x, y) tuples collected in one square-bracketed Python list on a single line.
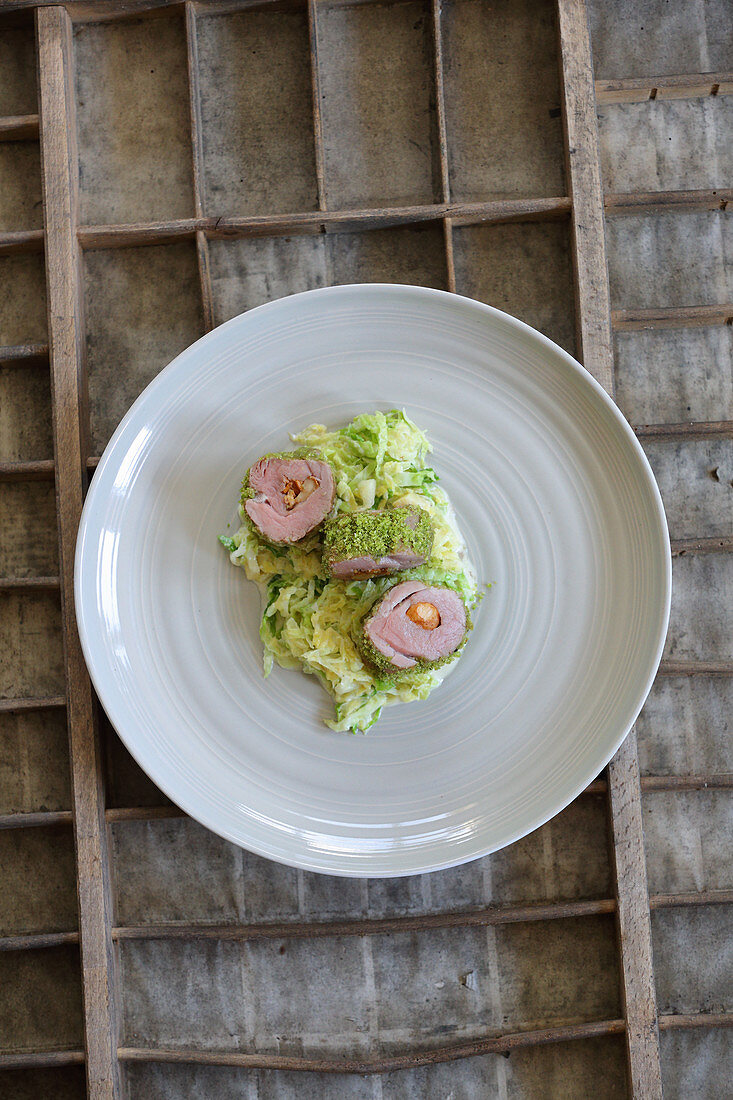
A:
[(376, 534)]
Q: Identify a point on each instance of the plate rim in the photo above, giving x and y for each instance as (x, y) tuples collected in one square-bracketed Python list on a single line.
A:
[(359, 867)]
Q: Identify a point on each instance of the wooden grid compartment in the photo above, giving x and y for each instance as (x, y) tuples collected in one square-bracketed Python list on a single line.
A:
[(198, 159)]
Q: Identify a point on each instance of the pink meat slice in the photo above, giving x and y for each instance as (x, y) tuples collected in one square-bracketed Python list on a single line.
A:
[(401, 640), (267, 509), (368, 566)]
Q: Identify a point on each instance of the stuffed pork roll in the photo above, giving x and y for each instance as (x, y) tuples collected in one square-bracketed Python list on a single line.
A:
[(288, 495), (413, 626)]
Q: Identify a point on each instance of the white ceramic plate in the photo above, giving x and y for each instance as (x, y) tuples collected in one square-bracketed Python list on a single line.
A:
[(562, 517)]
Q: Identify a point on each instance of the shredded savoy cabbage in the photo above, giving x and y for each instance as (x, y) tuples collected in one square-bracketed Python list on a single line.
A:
[(309, 619)]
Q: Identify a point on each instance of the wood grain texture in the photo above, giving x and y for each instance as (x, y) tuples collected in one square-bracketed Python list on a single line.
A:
[(194, 91), (669, 1021), (439, 80), (661, 202), (33, 1058), (59, 159), (19, 128), (315, 73), (586, 191), (595, 341), (21, 353), (691, 429), (491, 1044), (670, 667), (630, 320), (36, 820), (685, 86), (234, 227), (17, 241), (36, 940), (640, 1007), (474, 918)]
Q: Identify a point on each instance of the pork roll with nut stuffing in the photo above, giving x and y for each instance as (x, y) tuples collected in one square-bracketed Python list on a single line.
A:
[(288, 495), (359, 545), (413, 626)]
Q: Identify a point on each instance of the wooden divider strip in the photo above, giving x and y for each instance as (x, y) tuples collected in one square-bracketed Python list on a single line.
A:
[(19, 354), (592, 300), (686, 86), (490, 1044), (59, 173), (596, 348), (15, 242), (19, 128), (318, 142), (439, 82), (39, 819), (632, 320), (233, 227), (197, 151), (689, 429), (620, 203)]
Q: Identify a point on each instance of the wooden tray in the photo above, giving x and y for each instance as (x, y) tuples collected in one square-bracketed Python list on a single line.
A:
[(163, 167)]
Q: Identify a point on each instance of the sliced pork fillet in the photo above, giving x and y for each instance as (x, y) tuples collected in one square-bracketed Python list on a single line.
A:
[(288, 495), (413, 626), (376, 543)]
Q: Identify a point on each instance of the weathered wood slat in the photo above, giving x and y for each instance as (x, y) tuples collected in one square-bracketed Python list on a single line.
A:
[(496, 211), (373, 926), (635, 938), (669, 1022), (439, 83), (36, 940), (142, 813), (19, 128), (666, 202), (59, 161), (681, 901), (19, 354), (378, 926), (38, 1059), (291, 930), (712, 429), (491, 1044), (695, 668), (596, 348), (28, 584), (632, 320), (714, 782), (685, 86), (202, 244), (35, 470), (702, 546), (30, 820), (319, 147), (16, 241), (592, 301), (15, 706)]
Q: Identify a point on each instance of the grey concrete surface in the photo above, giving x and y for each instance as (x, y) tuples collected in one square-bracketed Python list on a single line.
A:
[(143, 307), (132, 103), (502, 96), (258, 136)]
